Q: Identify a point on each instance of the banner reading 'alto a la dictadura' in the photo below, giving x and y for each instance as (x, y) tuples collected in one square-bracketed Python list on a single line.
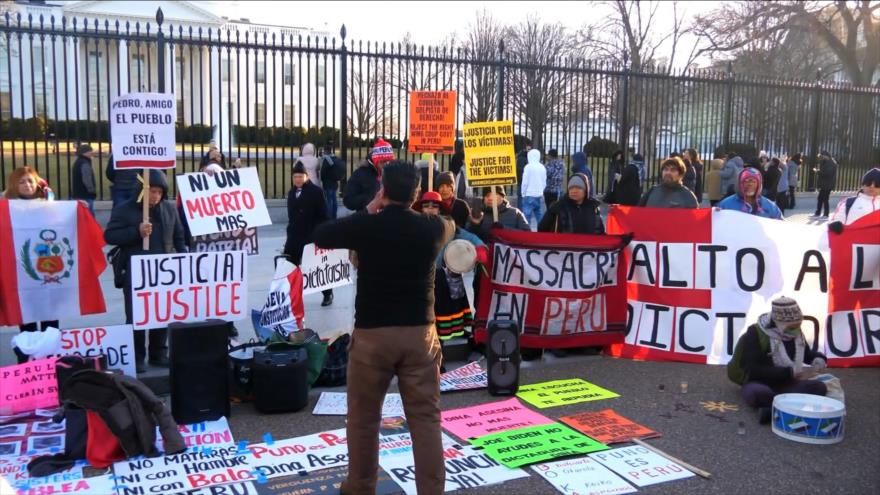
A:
[(696, 279)]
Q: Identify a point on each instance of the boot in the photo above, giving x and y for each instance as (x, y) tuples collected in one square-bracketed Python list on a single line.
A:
[(328, 299)]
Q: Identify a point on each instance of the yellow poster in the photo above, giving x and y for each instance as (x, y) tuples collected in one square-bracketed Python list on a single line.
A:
[(488, 154)]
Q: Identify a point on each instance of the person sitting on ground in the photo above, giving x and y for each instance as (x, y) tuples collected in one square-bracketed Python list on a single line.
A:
[(576, 213), (865, 202), (670, 193), (748, 197), (772, 357)]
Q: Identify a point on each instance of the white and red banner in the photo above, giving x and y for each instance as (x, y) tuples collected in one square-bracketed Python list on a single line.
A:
[(223, 201), (142, 130), (696, 279), (50, 261), (564, 290)]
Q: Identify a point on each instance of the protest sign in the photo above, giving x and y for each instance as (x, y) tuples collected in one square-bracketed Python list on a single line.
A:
[(142, 130), (488, 153), (283, 311), (102, 484), (226, 200), (562, 392), (641, 466), (483, 419), (432, 122), (522, 446), (607, 426), (335, 404), (323, 481), (199, 436), (564, 290), (233, 240), (582, 476), (467, 377), (324, 268), (116, 342), (13, 470), (10, 448), (184, 287), (697, 280), (28, 386)]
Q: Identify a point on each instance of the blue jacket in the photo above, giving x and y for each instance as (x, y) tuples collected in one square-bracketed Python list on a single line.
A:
[(579, 166), (766, 208)]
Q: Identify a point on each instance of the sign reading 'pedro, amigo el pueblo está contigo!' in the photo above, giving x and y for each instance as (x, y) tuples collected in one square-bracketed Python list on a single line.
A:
[(142, 130)]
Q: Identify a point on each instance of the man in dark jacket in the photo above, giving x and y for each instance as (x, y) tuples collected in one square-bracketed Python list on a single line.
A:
[(82, 177), (124, 181), (332, 171), (481, 223), (458, 208), (127, 230), (576, 213), (629, 187), (306, 209), (670, 193), (394, 330), (827, 170), (361, 188)]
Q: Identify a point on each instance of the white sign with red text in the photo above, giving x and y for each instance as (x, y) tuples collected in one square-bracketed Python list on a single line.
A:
[(115, 341), (324, 268), (223, 201)]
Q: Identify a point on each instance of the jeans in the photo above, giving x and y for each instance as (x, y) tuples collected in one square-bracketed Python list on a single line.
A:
[(531, 207), (120, 195), (330, 194)]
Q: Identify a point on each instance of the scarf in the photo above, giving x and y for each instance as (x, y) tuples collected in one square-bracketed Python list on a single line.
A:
[(777, 346)]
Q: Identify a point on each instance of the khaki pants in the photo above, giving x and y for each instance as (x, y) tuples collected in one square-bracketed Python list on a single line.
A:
[(378, 354)]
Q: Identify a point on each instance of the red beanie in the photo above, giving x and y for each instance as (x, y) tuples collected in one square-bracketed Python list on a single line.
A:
[(381, 152)]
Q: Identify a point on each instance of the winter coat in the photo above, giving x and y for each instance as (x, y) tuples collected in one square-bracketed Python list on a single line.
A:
[(459, 211), (771, 181), (713, 180), (861, 205), (827, 173), (534, 179), (698, 184), (766, 207), (303, 214), (793, 170), (751, 360), (669, 196), (555, 176), (615, 167), (729, 174), (566, 216), (579, 166), (508, 216), (361, 187), (629, 189), (82, 179), (690, 178), (782, 185), (311, 163), (124, 179)]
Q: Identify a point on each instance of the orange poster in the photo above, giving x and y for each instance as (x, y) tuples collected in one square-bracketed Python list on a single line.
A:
[(432, 122), (607, 426)]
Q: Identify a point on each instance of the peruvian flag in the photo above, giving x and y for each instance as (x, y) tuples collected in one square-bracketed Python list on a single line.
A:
[(52, 256)]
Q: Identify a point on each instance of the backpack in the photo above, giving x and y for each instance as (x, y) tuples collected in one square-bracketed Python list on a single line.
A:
[(333, 169), (848, 206), (334, 372)]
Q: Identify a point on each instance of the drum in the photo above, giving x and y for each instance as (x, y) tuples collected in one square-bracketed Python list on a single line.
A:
[(808, 418), (460, 256)]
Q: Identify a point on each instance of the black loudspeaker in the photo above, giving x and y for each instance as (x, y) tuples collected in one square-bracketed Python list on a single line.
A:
[(281, 379), (199, 370), (502, 357)]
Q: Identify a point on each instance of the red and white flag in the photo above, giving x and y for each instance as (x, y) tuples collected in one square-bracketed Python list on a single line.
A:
[(50, 261)]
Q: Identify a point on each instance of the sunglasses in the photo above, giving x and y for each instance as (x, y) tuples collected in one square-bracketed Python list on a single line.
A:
[(430, 204)]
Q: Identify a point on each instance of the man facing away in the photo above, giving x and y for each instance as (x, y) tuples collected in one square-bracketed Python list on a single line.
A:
[(394, 330)]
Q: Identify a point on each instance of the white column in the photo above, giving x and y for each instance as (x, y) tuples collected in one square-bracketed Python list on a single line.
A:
[(124, 62)]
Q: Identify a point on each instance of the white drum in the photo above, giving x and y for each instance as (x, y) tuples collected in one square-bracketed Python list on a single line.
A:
[(808, 418), (460, 256)]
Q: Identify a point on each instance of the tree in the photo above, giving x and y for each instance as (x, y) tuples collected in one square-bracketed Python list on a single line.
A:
[(481, 44), (363, 95)]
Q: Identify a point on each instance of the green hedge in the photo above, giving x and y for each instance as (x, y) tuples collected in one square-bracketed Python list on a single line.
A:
[(601, 148)]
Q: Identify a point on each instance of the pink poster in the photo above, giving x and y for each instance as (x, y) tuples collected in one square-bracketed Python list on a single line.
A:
[(28, 386), (484, 419)]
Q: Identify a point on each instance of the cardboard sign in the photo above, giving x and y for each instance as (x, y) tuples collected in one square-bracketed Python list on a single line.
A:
[(142, 130), (476, 421), (233, 240), (468, 377), (28, 386), (13, 471), (96, 484), (562, 392), (607, 426), (488, 154), (227, 200), (582, 476), (324, 268), (183, 287), (522, 446), (116, 342), (432, 122), (324, 481), (204, 435), (641, 466), (336, 404)]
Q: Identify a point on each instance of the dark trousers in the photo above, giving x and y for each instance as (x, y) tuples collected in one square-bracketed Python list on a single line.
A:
[(782, 200), (158, 336), (550, 197), (713, 202), (758, 394), (330, 194), (822, 202), (33, 327), (376, 355), (791, 197)]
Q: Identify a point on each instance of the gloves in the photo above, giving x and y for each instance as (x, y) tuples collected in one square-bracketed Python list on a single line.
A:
[(482, 255), (819, 365), (836, 227)]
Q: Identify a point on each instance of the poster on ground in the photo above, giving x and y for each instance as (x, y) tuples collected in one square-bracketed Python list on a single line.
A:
[(562, 392), (432, 122), (522, 446), (184, 287), (641, 466), (468, 377), (115, 341), (582, 476), (488, 153), (607, 426), (336, 404), (484, 419), (233, 240), (223, 201), (324, 268), (28, 386), (142, 130)]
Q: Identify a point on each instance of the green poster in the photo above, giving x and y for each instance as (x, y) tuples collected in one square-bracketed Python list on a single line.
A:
[(562, 392), (515, 448)]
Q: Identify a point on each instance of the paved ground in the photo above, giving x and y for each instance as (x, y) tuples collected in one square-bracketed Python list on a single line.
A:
[(757, 462)]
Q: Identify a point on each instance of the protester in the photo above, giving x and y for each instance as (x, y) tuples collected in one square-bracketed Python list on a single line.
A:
[(456, 166), (615, 170), (127, 229), (534, 180), (781, 185), (579, 165), (748, 197), (670, 193), (458, 208), (713, 181), (481, 223), (629, 187), (125, 182), (729, 173), (770, 358), (422, 165), (364, 182), (394, 330), (212, 156), (793, 169), (865, 202), (690, 174), (521, 161), (694, 157), (306, 209), (827, 181), (82, 177), (772, 175), (332, 171), (555, 175), (576, 213)]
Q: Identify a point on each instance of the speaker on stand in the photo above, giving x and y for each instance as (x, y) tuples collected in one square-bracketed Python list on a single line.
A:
[(199, 356), (503, 357)]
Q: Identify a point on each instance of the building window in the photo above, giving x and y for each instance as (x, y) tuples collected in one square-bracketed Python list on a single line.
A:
[(261, 114), (289, 112), (261, 72), (288, 74), (97, 72)]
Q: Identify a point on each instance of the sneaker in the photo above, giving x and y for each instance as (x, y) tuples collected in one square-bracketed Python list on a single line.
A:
[(328, 300), (764, 415)]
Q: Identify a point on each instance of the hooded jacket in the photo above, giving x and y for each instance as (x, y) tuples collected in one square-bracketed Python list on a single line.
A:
[(764, 207), (534, 178), (729, 174), (669, 196), (827, 173), (579, 166), (82, 179), (566, 216), (311, 162), (361, 187), (713, 180), (508, 216)]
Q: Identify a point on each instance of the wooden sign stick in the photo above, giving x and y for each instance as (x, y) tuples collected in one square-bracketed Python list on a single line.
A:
[(689, 467), (431, 172), (494, 205), (146, 204)]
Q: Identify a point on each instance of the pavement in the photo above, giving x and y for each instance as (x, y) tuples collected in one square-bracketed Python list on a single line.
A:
[(755, 462)]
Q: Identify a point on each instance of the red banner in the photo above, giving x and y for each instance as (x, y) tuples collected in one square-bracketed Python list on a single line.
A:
[(564, 290)]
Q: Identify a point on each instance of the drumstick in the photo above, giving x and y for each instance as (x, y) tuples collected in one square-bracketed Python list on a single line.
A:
[(689, 467)]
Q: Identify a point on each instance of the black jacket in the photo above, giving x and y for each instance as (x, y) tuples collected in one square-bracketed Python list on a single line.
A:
[(361, 187), (508, 216), (827, 174), (460, 213), (396, 251), (751, 360), (82, 179), (771, 181), (566, 216), (303, 215), (629, 189), (122, 179)]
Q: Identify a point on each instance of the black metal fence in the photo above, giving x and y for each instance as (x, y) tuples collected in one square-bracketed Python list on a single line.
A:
[(262, 93)]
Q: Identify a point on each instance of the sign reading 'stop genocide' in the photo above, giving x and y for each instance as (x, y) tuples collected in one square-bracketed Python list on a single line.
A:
[(142, 130), (488, 154), (432, 121)]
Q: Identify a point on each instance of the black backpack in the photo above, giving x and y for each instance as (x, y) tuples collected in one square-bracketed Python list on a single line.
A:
[(333, 169), (115, 258)]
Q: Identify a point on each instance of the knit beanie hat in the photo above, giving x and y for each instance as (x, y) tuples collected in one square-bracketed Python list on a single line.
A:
[(431, 196), (381, 152), (578, 180), (786, 310), (750, 173), (872, 177), (498, 190), (445, 178), (299, 168)]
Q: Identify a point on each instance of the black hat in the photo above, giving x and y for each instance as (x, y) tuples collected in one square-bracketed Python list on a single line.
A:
[(83, 148), (299, 168), (445, 178), (871, 177), (498, 190), (553, 153)]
